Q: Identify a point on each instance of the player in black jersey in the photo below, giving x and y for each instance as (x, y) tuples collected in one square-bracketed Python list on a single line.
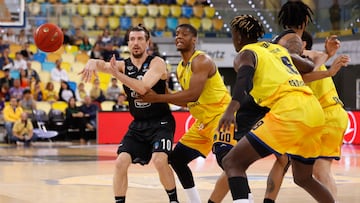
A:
[(150, 134)]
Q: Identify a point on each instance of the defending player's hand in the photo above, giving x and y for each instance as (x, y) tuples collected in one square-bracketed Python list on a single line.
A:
[(332, 44), (339, 62), (113, 68), (89, 70), (226, 121), (150, 96)]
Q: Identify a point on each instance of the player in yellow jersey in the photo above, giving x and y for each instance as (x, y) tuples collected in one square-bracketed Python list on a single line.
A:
[(336, 120), (294, 17), (206, 96), (293, 124)]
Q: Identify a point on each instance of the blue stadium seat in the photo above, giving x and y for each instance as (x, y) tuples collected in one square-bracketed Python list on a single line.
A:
[(15, 74), (172, 23), (39, 56), (187, 11), (125, 23), (47, 66), (72, 85)]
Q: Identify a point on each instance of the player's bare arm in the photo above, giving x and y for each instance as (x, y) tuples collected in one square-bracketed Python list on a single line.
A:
[(157, 71), (339, 62), (202, 68), (94, 65)]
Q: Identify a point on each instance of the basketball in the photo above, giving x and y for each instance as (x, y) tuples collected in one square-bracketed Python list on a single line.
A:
[(48, 37)]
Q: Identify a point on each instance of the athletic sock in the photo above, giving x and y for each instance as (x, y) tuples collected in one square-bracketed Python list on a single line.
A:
[(242, 188), (193, 195), (172, 195), (267, 200), (120, 199)]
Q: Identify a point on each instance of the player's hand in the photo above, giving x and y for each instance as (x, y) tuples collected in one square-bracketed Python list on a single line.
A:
[(332, 44), (113, 68), (150, 96), (339, 62), (226, 121), (89, 70)]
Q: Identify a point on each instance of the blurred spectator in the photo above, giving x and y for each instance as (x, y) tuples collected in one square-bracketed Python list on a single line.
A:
[(113, 91), (22, 38), (80, 92), (106, 37), (27, 103), (5, 60), (65, 93), (67, 38), (16, 90), (23, 131), (117, 40), (38, 92), (19, 62), (30, 73), (26, 52), (96, 51), (58, 74), (153, 49), (119, 105), (9, 36), (96, 93), (7, 79), (78, 37), (85, 44), (109, 52), (335, 15), (50, 94), (12, 113), (3, 45), (4, 92), (74, 118), (89, 109), (24, 81)]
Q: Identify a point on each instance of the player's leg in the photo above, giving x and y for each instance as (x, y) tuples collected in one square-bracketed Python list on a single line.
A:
[(322, 172), (235, 164), (303, 176), (179, 159), (220, 190), (275, 178), (166, 175), (120, 179), (162, 143)]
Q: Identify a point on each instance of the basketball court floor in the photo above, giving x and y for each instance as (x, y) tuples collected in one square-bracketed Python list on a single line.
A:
[(72, 173)]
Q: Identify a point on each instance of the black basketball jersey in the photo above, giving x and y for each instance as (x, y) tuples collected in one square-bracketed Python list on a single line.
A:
[(143, 110), (279, 36)]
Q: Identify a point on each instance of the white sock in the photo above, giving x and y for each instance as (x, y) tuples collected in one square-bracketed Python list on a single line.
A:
[(251, 198), (193, 195), (241, 201)]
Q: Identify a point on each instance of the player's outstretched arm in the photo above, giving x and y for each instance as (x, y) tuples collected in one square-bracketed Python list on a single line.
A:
[(157, 71), (339, 62), (91, 68)]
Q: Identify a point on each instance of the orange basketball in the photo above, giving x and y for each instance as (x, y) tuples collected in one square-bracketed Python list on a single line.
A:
[(48, 37)]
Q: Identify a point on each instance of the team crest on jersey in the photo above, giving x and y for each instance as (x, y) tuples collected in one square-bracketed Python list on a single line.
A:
[(130, 68), (258, 124), (156, 145)]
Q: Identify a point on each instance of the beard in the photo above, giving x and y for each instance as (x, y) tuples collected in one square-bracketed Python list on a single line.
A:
[(137, 54)]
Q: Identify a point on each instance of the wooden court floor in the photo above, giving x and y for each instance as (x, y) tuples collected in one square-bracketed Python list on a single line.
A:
[(71, 173)]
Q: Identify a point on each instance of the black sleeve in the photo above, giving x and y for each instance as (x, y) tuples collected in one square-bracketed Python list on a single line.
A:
[(243, 84)]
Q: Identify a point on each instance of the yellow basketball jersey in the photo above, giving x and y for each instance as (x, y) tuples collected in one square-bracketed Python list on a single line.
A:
[(325, 91), (214, 97), (272, 83)]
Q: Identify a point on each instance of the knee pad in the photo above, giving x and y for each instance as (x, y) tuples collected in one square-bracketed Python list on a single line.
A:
[(220, 150)]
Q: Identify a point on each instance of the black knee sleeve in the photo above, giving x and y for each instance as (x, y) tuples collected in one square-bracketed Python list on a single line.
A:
[(179, 160)]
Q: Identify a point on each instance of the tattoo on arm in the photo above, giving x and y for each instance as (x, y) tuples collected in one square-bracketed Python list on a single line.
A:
[(294, 45)]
